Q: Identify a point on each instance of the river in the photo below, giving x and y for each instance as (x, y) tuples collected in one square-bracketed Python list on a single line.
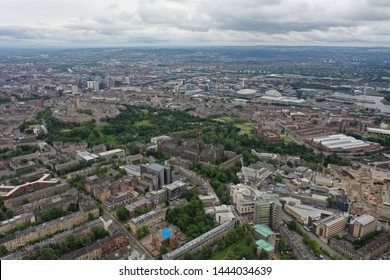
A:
[(377, 105), (377, 99)]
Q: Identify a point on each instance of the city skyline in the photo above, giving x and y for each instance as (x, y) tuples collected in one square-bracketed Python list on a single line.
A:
[(194, 23)]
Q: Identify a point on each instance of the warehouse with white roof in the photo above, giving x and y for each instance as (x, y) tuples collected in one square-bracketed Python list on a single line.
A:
[(340, 143)]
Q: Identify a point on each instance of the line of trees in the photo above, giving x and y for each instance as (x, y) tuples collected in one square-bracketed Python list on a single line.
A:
[(19, 151), (313, 245), (71, 243)]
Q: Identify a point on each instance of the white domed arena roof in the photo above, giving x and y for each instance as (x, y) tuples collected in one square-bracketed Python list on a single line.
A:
[(273, 92), (246, 91)]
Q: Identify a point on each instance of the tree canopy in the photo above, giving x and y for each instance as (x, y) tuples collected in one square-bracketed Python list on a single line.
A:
[(123, 214), (190, 218)]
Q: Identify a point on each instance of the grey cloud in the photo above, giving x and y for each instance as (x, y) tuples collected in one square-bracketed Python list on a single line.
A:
[(281, 16), (19, 33), (205, 21), (113, 6), (79, 26), (378, 3), (252, 16)]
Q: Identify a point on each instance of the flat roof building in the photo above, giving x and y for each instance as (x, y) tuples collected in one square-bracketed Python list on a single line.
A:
[(341, 143), (331, 225), (244, 198), (86, 156), (142, 203), (220, 218), (364, 225), (132, 170), (175, 189), (213, 210), (384, 132), (149, 219), (323, 181), (109, 154), (157, 174), (209, 199), (159, 197), (263, 232), (305, 214), (263, 245)]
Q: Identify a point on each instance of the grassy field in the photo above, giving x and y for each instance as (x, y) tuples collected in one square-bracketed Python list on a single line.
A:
[(286, 138), (246, 126), (240, 123), (224, 255), (225, 120), (375, 136), (143, 123)]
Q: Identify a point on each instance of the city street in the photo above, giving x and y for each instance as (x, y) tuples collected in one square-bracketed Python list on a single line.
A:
[(133, 241), (321, 243), (324, 245)]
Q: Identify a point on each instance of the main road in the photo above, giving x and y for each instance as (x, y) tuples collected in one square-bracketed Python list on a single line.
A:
[(325, 246), (322, 244)]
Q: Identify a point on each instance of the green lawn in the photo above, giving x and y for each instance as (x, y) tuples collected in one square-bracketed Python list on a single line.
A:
[(240, 123), (223, 255), (246, 126), (224, 120), (230, 120), (143, 123), (286, 138), (375, 136)]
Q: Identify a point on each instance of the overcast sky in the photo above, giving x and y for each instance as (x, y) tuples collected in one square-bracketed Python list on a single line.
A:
[(194, 22)]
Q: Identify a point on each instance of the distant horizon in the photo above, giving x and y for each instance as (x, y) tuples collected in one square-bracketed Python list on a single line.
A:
[(24, 47)]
